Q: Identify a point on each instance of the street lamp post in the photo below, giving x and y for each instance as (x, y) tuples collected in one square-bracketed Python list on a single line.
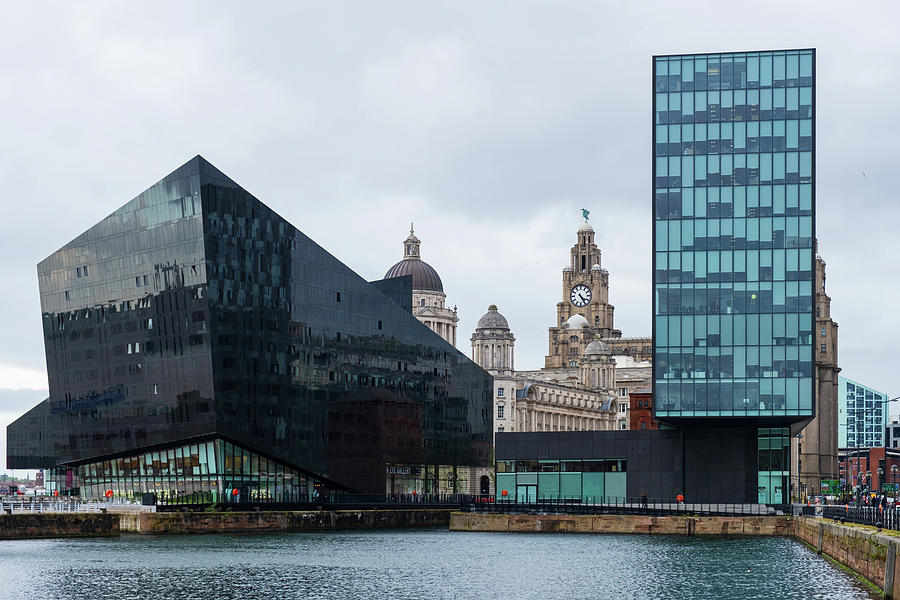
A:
[(880, 479)]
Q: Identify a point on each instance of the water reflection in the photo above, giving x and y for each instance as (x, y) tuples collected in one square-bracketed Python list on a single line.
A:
[(421, 564)]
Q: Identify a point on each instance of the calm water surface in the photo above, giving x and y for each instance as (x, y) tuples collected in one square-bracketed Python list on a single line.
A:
[(420, 565)]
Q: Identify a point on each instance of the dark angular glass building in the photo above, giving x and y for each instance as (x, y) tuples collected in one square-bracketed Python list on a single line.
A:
[(734, 230), (198, 343)]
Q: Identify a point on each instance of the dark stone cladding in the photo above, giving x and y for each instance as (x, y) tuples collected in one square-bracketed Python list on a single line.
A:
[(705, 464), (195, 311)]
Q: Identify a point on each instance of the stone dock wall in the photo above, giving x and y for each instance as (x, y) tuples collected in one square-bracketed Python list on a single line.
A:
[(869, 553), (54, 525), (224, 522), (684, 525), (864, 550)]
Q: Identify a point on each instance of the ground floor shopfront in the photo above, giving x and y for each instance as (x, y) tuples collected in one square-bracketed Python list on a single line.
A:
[(589, 481), (740, 464)]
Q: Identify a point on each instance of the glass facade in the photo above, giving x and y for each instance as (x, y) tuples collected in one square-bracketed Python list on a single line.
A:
[(862, 415), (195, 311), (589, 480), (210, 471), (734, 229)]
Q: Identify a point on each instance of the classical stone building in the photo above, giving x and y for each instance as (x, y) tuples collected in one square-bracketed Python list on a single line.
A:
[(583, 401), (585, 311), (429, 300), (814, 452), (589, 371)]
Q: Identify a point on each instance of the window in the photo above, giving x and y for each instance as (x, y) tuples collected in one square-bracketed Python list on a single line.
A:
[(818, 311), (422, 302), (499, 392), (500, 411), (623, 408), (78, 271), (822, 333), (137, 281), (822, 349), (84, 270), (623, 392), (500, 429), (155, 389), (379, 325), (596, 321), (623, 425), (67, 295), (337, 296)]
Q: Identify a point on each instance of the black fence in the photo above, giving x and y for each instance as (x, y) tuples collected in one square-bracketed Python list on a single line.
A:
[(875, 516), (330, 501), (625, 506)]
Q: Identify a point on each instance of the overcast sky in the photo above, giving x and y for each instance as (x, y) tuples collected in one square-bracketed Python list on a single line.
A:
[(489, 124)]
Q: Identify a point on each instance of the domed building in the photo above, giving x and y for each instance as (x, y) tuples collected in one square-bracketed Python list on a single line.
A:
[(538, 400), (429, 299), (590, 369), (492, 350)]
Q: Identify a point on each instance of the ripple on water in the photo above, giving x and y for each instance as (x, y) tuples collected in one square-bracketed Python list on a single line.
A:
[(422, 565)]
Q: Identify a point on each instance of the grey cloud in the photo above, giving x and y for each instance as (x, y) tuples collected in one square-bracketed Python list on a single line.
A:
[(478, 114)]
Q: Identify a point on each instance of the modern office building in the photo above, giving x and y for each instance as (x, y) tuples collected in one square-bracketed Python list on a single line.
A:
[(198, 343), (734, 230), (863, 414)]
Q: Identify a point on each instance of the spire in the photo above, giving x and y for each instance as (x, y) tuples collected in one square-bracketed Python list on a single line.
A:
[(411, 244)]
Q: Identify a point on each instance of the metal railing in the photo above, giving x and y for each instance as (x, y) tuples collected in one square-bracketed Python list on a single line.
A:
[(625, 506), (332, 500), (875, 516)]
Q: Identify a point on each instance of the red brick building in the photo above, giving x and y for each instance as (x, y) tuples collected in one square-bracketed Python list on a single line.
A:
[(860, 466), (642, 409)]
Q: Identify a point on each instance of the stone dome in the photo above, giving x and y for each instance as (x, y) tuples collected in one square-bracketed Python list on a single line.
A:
[(597, 347), (568, 269), (585, 227), (576, 322), (492, 319), (596, 268), (424, 277)]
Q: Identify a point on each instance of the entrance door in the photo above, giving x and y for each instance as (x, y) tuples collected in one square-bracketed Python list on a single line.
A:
[(526, 493), (485, 485)]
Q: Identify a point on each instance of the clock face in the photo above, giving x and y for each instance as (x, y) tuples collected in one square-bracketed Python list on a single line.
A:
[(580, 295)]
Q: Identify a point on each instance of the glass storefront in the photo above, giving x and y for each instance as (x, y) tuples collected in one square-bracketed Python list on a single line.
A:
[(588, 481), (212, 471)]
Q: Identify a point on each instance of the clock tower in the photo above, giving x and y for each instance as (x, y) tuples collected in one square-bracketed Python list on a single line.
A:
[(584, 312)]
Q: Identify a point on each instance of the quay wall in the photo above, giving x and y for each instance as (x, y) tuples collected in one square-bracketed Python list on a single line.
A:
[(684, 525), (868, 552), (52, 525), (224, 522)]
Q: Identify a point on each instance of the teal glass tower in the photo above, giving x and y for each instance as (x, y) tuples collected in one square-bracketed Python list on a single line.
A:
[(734, 236)]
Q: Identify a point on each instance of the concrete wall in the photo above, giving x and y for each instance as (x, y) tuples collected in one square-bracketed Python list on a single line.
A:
[(460, 521), (23, 526)]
